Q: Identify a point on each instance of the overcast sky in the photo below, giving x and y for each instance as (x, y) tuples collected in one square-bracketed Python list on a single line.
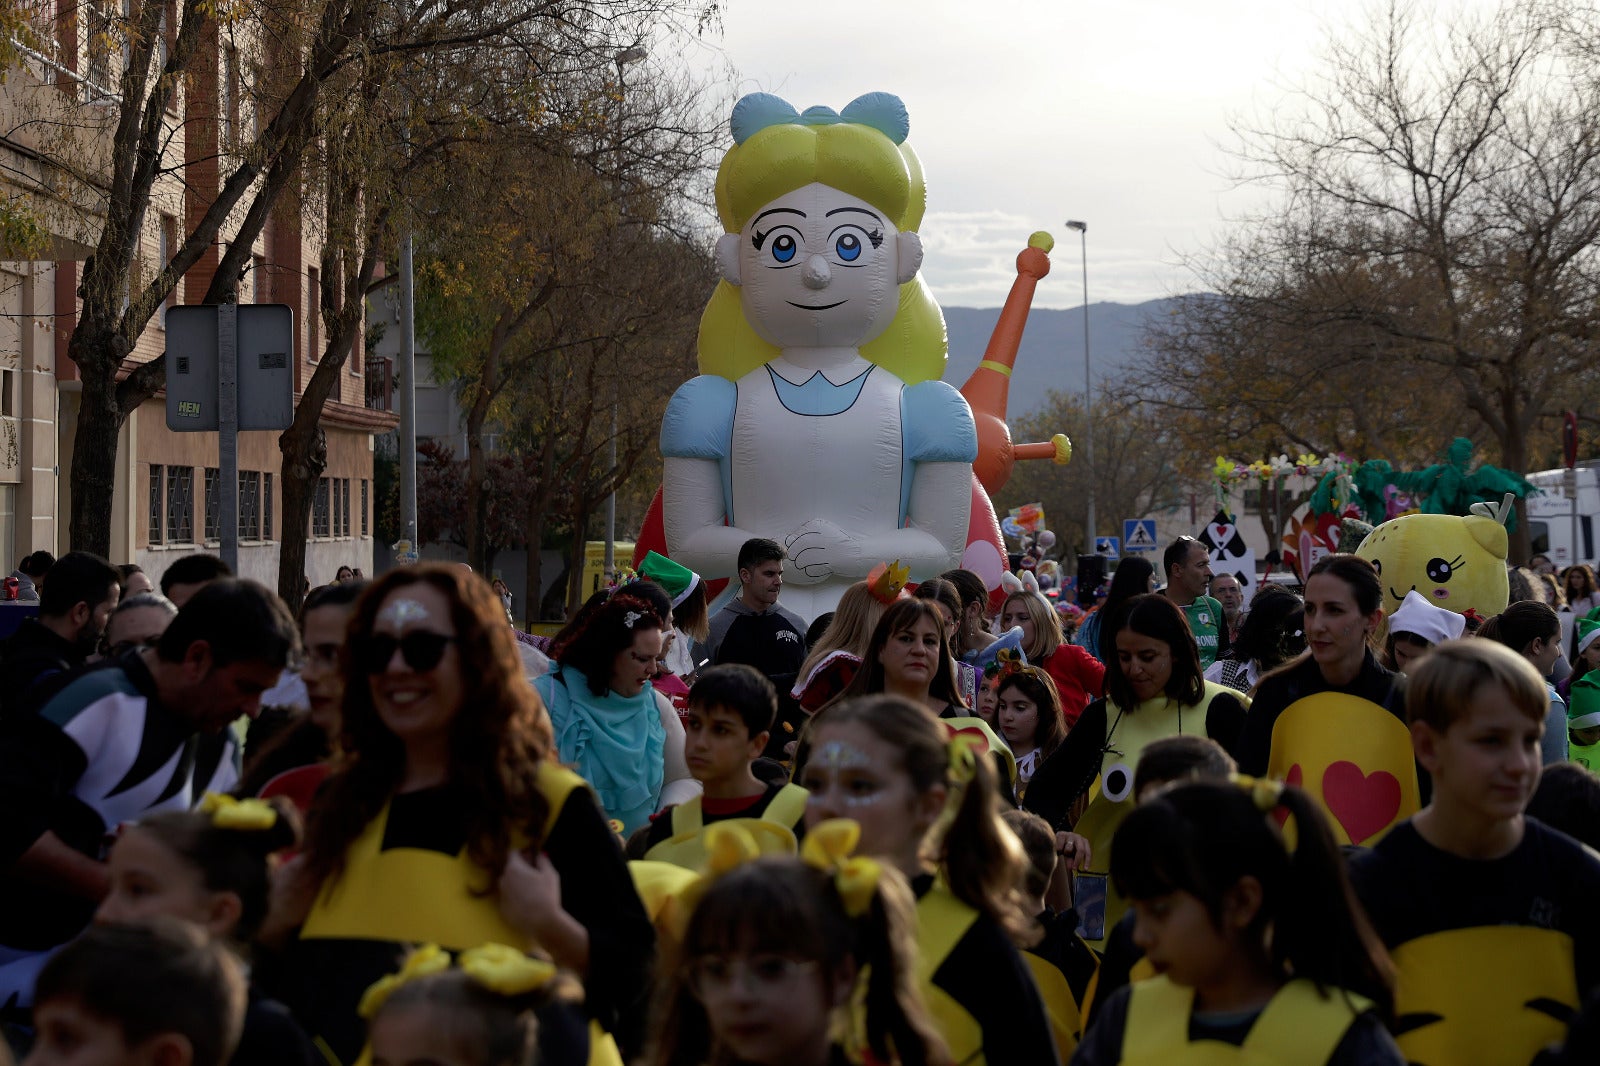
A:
[(1026, 113)]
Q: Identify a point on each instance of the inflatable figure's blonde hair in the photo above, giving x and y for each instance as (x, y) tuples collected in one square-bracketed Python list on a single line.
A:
[(860, 151)]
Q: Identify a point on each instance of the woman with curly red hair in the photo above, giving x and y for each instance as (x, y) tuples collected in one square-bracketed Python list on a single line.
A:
[(447, 819)]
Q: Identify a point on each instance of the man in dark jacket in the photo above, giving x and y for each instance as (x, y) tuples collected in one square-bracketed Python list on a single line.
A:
[(73, 609)]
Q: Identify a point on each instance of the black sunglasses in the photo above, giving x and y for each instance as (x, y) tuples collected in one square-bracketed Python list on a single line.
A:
[(420, 649)]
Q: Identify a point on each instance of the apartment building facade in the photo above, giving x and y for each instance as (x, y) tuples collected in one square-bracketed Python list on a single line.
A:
[(167, 497)]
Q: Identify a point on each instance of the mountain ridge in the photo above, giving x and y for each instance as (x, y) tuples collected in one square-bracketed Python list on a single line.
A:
[(1051, 353)]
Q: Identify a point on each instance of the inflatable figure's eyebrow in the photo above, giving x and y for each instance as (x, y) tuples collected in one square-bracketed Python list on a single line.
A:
[(776, 210), (859, 210)]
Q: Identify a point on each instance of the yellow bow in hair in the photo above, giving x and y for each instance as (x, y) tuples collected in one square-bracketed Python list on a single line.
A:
[(727, 846), (227, 812), (506, 970), (829, 846), (1264, 792), (426, 960), (963, 760)]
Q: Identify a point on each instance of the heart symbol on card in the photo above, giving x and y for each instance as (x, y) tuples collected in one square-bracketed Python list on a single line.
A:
[(1222, 533), (1365, 804)]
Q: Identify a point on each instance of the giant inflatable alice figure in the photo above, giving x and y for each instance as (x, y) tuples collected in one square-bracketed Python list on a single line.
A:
[(819, 419)]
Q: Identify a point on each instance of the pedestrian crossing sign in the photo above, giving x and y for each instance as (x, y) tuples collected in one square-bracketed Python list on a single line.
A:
[(1139, 534), (1106, 546)]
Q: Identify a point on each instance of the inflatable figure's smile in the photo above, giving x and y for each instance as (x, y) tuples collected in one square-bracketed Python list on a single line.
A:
[(816, 307)]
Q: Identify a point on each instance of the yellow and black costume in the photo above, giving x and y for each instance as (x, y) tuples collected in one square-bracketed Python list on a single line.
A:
[(1099, 758), (979, 990), (1154, 1023), (677, 834), (408, 880), (1494, 956)]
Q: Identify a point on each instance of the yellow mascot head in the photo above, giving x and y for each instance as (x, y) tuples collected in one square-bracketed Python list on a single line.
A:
[(1457, 563)]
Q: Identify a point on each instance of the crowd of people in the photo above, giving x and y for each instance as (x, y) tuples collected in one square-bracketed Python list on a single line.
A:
[(929, 828)]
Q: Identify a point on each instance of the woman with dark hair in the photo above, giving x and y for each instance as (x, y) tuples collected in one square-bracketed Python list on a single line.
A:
[(610, 723), (1134, 576), (1154, 689), (1028, 715), (1533, 630), (293, 760), (1334, 717), (943, 593), (1583, 595), (449, 820), (972, 630), (909, 656), (1271, 633)]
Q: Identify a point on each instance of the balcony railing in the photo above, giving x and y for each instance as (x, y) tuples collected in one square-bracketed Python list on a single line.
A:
[(380, 383), (10, 450)]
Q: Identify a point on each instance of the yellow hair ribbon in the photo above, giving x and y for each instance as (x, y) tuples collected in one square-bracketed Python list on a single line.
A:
[(727, 846), (249, 815), (426, 960), (1264, 792), (963, 763), (828, 846), (506, 970)]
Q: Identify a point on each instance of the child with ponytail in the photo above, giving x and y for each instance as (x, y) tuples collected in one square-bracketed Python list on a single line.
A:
[(924, 793), (491, 1006), (1258, 942), (772, 952), (211, 866)]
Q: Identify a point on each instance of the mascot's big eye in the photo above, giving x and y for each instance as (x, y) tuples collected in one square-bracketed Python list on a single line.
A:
[(1441, 571), (848, 247), (1116, 784), (783, 247)]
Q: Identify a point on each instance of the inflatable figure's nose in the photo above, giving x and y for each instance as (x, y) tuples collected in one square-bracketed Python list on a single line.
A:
[(815, 273)]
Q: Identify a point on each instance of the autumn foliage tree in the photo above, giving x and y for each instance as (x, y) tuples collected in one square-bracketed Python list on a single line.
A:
[(1429, 268)]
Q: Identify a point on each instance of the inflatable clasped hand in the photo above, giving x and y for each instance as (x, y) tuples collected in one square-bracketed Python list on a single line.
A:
[(425, 961), (1264, 792), (249, 815), (505, 970), (829, 846)]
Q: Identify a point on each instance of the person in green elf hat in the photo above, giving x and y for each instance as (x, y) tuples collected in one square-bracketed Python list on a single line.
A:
[(690, 622), (1588, 650), (1583, 720)]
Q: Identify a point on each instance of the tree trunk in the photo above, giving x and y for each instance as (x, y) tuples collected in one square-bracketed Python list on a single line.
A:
[(576, 593), (1514, 457), (477, 463), (305, 457), (94, 454)]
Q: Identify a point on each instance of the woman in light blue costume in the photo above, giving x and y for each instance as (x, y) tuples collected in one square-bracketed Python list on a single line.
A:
[(611, 726), (819, 420)]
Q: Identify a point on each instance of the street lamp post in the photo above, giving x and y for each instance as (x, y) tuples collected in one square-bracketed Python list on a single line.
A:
[(1088, 385), (622, 59)]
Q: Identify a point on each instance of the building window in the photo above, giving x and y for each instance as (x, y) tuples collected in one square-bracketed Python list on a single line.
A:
[(250, 505), (313, 314), (363, 507), (266, 506), (180, 505), (345, 507), (319, 509), (156, 497), (213, 503)]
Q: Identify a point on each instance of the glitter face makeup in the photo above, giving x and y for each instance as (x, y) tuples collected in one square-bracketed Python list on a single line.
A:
[(836, 755), (401, 613)]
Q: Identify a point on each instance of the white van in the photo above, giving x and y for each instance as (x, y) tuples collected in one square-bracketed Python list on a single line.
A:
[(1562, 518)]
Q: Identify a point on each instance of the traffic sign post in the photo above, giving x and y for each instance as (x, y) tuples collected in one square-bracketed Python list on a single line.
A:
[(230, 367), (1139, 534)]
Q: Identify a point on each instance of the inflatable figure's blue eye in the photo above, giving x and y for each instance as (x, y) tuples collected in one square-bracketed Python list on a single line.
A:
[(783, 248), (848, 247)]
